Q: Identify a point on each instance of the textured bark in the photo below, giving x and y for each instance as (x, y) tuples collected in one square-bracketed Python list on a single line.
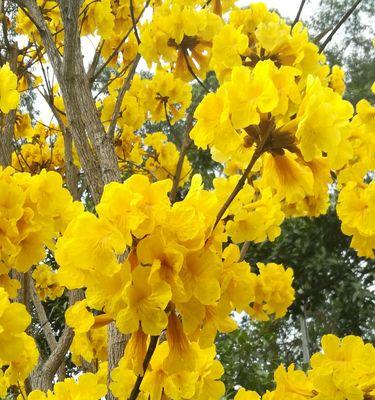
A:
[(78, 96), (42, 376), (116, 346)]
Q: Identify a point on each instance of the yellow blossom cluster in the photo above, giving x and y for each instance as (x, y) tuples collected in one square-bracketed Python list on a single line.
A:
[(9, 96), (163, 157), (345, 369), (90, 334), (153, 267), (40, 147), (34, 210), (356, 209), (181, 35), (88, 386), (46, 284), (289, 121), (162, 98), (18, 353)]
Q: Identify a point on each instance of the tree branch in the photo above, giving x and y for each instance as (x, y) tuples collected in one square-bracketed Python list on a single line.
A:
[(298, 16), (125, 87), (42, 316), (150, 351), (339, 24), (185, 146)]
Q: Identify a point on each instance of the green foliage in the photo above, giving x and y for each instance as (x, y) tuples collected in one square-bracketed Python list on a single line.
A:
[(335, 290)]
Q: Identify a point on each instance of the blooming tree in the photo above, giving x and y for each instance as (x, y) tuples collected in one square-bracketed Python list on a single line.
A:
[(100, 210)]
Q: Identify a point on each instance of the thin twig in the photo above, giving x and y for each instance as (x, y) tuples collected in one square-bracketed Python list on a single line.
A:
[(134, 22), (120, 97), (185, 146), (244, 249), (298, 16), (95, 61), (240, 184), (150, 351), (339, 24), (190, 69), (237, 189)]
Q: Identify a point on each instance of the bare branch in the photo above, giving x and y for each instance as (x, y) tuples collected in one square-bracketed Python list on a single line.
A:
[(120, 97), (244, 249), (42, 316), (134, 22), (150, 351), (185, 146), (95, 61), (299, 13), (339, 24)]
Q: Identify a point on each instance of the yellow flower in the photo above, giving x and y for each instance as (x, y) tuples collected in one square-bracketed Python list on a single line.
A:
[(257, 221), (167, 97), (175, 386), (292, 384), (200, 276), (344, 369), (356, 210), (273, 291), (209, 386), (258, 94), (9, 96), (321, 117), (236, 279), (135, 206), (135, 352), (14, 319), (166, 259), (122, 381), (181, 354), (292, 180), (336, 80), (89, 246), (24, 362), (11, 286), (87, 387), (213, 126), (146, 299), (79, 318), (98, 18), (46, 283), (227, 47), (243, 394)]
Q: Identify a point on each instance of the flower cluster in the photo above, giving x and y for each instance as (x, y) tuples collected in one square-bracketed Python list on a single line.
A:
[(46, 284), (153, 267), (9, 96), (345, 369), (39, 147), (34, 210), (18, 353), (88, 386)]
